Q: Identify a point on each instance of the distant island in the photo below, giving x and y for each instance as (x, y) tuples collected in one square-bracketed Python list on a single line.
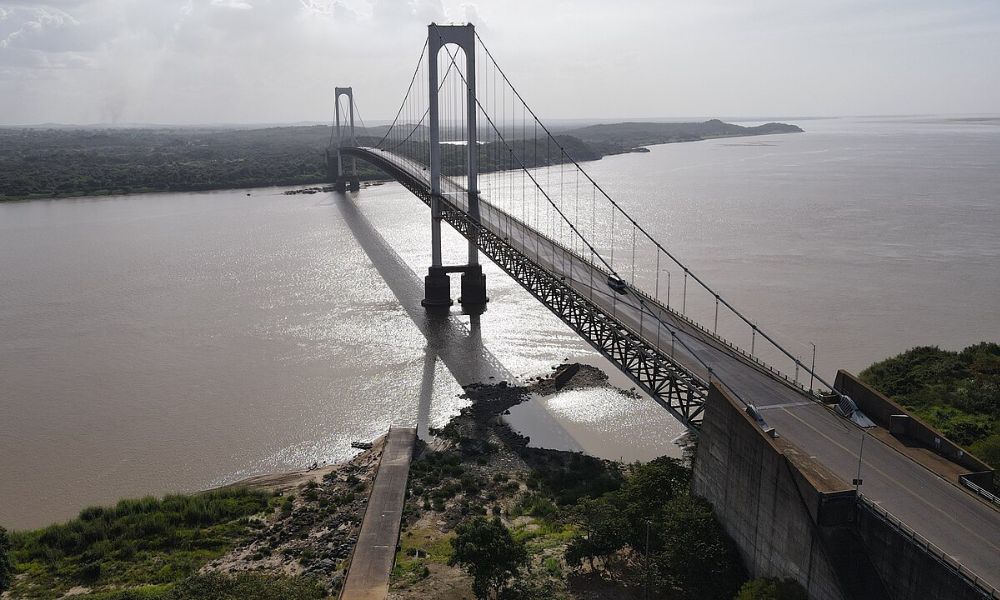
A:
[(65, 162), (617, 138)]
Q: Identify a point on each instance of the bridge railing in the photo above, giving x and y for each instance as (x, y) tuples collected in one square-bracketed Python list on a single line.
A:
[(533, 175), (670, 383), (518, 233), (929, 548), (537, 179), (457, 193)]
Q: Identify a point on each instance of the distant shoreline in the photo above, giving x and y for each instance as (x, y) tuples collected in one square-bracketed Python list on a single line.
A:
[(83, 163)]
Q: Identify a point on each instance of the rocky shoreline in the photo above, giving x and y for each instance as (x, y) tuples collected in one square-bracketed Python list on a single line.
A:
[(315, 527)]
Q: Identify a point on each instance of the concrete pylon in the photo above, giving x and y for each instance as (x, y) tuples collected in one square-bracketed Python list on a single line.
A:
[(344, 181), (437, 285)]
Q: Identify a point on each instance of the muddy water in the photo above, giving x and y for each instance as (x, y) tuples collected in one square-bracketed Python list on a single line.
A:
[(171, 342)]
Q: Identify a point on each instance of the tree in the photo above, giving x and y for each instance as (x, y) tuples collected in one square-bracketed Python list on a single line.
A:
[(649, 488), (605, 527), (697, 559), (771, 589), (6, 570), (486, 550)]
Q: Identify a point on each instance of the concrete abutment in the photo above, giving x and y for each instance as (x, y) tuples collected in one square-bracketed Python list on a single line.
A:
[(791, 517)]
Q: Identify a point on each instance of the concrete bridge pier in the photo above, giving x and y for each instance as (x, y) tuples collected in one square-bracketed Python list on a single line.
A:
[(344, 183), (473, 286), (437, 287)]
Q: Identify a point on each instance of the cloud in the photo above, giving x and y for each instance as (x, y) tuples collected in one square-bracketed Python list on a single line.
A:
[(236, 4), (186, 61), (33, 22)]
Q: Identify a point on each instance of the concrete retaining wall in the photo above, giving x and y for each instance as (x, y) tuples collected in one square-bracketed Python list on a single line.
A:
[(791, 517), (880, 409), (769, 498), (907, 568)]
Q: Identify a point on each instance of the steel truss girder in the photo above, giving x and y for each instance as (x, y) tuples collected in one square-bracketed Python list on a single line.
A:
[(666, 381)]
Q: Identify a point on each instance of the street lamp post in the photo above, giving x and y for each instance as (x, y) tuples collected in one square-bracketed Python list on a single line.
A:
[(857, 481), (812, 370), (645, 592), (668, 288)]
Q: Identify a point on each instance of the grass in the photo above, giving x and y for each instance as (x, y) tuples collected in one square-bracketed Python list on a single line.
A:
[(540, 535), (418, 547), (142, 542)]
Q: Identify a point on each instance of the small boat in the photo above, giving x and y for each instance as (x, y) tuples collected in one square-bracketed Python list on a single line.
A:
[(361, 445)]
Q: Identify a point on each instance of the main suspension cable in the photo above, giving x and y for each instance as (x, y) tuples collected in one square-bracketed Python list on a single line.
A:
[(420, 62)]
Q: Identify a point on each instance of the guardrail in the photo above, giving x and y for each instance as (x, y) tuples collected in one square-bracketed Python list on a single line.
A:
[(987, 590), (709, 335), (980, 491)]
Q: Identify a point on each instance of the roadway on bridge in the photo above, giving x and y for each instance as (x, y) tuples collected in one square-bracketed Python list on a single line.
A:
[(958, 523)]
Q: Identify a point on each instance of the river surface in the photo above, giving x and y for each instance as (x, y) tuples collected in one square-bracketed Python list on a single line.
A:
[(171, 342)]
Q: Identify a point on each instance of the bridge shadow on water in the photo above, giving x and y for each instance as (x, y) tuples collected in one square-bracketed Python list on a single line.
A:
[(460, 348)]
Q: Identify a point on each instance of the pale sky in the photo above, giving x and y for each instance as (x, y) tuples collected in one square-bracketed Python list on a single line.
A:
[(276, 61)]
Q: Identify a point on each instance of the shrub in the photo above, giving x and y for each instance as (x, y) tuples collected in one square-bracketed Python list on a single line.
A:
[(5, 567), (771, 589), (552, 566), (988, 450), (247, 585), (105, 544)]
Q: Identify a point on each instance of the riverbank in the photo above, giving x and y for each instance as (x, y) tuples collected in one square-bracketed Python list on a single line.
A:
[(301, 525)]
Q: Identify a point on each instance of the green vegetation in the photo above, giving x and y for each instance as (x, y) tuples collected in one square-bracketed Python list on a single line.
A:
[(247, 585), (419, 547), (213, 586), (771, 589), (487, 551), (653, 525), (584, 523), (136, 542), (567, 482), (6, 570), (957, 393)]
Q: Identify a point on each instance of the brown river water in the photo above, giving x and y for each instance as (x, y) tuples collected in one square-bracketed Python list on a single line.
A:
[(172, 342)]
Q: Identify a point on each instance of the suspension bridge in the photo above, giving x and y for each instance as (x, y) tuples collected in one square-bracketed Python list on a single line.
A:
[(466, 143)]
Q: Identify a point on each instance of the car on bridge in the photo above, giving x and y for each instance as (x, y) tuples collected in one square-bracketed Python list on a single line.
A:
[(617, 284)]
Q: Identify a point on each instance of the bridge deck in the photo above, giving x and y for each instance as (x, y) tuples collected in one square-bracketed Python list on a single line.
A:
[(961, 525)]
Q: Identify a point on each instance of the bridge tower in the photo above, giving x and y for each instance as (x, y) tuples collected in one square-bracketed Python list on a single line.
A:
[(437, 284), (343, 181)]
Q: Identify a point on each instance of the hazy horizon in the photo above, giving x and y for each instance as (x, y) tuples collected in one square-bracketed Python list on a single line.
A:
[(555, 122), (252, 62)]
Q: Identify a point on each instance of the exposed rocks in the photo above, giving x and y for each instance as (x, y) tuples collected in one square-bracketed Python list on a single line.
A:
[(314, 524)]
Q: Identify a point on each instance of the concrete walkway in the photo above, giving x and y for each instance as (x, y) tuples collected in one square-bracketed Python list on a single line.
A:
[(375, 552)]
